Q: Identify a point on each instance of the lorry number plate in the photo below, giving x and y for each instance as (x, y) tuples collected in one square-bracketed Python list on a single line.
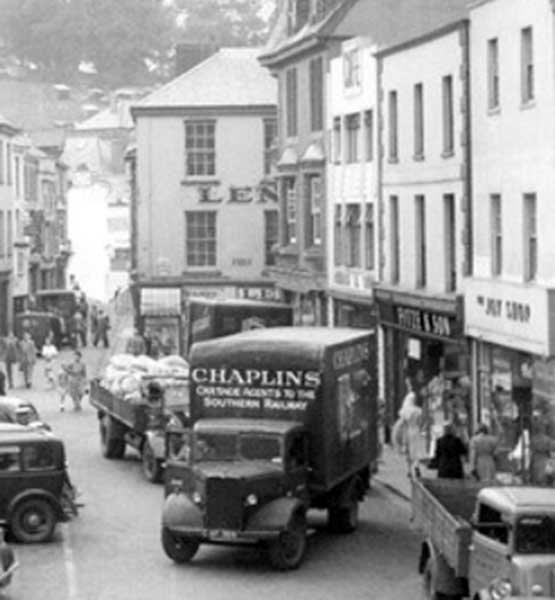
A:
[(224, 534)]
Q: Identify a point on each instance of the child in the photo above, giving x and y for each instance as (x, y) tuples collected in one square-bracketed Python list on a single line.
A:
[(49, 353)]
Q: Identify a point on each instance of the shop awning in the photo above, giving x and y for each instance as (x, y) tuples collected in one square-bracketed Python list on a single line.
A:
[(161, 301)]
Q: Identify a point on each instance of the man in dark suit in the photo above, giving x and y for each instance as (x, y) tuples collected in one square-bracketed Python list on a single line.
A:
[(450, 451)]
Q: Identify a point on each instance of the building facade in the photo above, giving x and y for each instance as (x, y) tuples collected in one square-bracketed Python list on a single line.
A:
[(509, 300), (204, 143), (424, 220), (352, 184)]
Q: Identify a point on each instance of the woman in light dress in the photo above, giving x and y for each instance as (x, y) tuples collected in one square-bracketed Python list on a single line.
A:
[(410, 438), (483, 446)]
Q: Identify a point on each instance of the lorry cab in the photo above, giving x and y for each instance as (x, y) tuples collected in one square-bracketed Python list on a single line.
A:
[(514, 538)]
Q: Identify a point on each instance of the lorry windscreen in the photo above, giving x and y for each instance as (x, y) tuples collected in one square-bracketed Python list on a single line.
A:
[(535, 534), (220, 446)]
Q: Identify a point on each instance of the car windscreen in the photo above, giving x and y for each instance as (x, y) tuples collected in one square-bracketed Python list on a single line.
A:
[(215, 446), (26, 414), (260, 447), (535, 534)]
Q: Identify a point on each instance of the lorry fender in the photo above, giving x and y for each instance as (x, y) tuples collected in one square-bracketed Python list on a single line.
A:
[(180, 511), (442, 576), (37, 493), (275, 515), (156, 442)]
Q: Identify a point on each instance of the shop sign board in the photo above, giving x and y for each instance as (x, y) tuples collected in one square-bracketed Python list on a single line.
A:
[(420, 321), (510, 314)]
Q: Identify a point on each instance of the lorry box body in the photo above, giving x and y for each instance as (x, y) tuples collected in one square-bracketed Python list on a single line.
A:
[(320, 377), (214, 318)]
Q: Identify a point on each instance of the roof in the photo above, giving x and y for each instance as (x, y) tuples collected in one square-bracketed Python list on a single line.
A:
[(230, 77), (109, 118), (385, 23), (13, 402), (236, 302), (512, 498), (245, 425), (11, 433)]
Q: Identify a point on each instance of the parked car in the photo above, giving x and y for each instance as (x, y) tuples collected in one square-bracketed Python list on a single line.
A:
[(22, 412), (35, 490)]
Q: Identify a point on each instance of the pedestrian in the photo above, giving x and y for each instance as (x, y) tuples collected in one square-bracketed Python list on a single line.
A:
[(76, 372), (483, 447), (49, 353), (541, 446), (7, 561), (136, 344), (11, 353), (102, 327), (2, 383), (410, 437), (93, 318), (448, 459), (28, 358), (79, 329)]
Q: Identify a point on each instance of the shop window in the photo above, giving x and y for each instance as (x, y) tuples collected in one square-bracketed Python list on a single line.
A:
[(496, 235), (369, 237), (527, 64), (352, 234), (352, 125), (493, 73), (420, 250), (449, 244), (530, 237), (394, 243), (338, 236), (418, 122)]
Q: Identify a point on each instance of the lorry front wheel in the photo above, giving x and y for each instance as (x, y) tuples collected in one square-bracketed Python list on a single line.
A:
[(179, 549), (112, 444), (288, 551), (152, 467), (344, 519)]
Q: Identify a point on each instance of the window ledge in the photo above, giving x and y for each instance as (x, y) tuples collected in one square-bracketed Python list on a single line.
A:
[(447, 154), (393, 160), (208, 180), (418, 158), (528, 104), (494, 110)]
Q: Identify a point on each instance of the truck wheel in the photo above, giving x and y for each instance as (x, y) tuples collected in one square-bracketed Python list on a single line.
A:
[(112, 445), (179, 549), (33, 521), (344, 519), (152, 467), (288, 551)]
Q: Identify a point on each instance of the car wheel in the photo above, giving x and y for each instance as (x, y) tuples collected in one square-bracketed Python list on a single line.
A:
[(152, 467), (33, 520), (288, 551), (179, 549)]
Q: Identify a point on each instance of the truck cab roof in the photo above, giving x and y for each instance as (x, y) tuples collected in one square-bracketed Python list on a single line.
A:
[(519, 499), (268, 426)]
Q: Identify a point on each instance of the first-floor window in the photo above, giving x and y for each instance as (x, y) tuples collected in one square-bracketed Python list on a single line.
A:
[(338, 236), (291, 210), (270, 235), (200, 148), (201, 238), (2, 235), (9, 234), (369, 237), (315, 210), (353, 234)]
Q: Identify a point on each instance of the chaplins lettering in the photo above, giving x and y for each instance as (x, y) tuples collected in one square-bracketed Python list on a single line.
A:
[(256, 377)]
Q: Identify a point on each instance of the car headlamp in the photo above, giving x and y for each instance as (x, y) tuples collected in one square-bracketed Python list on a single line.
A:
[(251, 500), (537, 590), (197, 498), (500, 589)]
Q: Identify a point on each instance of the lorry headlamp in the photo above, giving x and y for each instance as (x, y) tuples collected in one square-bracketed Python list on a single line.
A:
[(251, 500), (500, 589), (537, 590), (197, 498)]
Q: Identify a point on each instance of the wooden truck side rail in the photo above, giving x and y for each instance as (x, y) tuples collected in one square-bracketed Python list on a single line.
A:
[(133, 415), (441, 509)]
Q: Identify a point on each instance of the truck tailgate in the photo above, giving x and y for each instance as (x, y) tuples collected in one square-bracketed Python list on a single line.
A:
[(441, 508), (131, 414)]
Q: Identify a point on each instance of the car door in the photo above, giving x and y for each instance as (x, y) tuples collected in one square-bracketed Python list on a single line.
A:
[(296, 460), (489, 551), (10, 475)]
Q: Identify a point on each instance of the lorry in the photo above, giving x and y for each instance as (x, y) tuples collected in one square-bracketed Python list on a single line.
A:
[(483, 541), (282, 420), (209, 318), (141, 424)]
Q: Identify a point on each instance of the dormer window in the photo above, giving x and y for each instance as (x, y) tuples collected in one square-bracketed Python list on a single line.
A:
[(351, 69)]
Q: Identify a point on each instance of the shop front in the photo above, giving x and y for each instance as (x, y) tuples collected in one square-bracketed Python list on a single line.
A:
[(424, 350), (513, 350)]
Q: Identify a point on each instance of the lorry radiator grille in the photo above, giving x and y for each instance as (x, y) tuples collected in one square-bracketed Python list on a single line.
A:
[(223, 504)]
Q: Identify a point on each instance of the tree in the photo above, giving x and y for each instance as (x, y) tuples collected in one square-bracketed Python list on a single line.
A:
[(225, 22), (120, 37)]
